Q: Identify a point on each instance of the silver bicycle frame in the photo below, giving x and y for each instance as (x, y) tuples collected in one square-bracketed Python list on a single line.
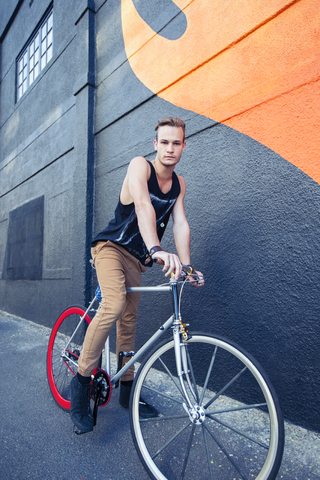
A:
[(146, 346), (162, 329), (173, 321)]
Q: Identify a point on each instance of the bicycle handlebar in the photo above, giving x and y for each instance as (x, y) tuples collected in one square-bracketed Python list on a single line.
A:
[(187, 271)]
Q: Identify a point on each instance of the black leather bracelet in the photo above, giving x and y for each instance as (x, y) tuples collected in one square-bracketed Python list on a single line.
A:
[(155, 249)]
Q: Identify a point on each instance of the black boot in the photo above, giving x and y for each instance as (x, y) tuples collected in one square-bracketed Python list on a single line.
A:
[(145, 410), (80, 411)]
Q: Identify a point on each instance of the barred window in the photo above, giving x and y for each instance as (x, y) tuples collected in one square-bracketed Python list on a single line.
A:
[(35, 55)]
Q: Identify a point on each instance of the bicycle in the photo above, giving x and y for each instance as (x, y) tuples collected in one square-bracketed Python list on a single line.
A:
[(218, 414)]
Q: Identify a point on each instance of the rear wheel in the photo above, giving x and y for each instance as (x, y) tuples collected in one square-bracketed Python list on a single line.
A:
[(64, 348), (234, 429)]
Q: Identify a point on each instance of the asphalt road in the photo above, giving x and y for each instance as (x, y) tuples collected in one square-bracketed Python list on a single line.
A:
[(37, 439)]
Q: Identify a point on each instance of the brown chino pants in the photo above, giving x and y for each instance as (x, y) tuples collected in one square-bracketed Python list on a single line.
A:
[(116, 269)]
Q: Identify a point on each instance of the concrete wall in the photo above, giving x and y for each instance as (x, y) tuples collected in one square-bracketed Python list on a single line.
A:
[(44, 152), (245, 81)]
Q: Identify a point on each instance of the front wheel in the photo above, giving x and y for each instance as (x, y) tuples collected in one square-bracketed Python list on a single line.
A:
[(64, 348), (234, 428)]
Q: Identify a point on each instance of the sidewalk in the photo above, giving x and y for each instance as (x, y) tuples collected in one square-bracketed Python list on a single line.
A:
[(37, 437)]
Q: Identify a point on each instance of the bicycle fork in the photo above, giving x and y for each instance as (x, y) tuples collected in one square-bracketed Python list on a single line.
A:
[(183, 363), (184, 369)]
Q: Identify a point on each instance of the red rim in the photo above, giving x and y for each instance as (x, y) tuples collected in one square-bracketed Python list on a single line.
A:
[(55, 392)]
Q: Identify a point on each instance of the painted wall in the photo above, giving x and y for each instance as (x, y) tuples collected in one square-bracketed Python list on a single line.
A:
[(251, 65), (245, 80)]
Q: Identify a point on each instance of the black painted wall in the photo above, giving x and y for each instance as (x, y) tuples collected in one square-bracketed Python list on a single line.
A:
[(47, 150), (253, 216)]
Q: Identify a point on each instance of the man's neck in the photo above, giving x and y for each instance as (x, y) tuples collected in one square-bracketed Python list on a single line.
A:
[(164, 172)]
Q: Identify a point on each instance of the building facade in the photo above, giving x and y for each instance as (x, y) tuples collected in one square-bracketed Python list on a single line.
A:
[(83, 84)]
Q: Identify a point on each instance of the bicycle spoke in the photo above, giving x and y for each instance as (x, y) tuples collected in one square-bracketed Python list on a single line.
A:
[(162, 394), (207, 451), (56, 362), (171, 440), (62, 377), (235, 378), (171, 376), (187, 452), (208, 374), (61, 372), (81, 318), (235, 409), (226, 453), (243, 434), (162, 418), (59, 380)]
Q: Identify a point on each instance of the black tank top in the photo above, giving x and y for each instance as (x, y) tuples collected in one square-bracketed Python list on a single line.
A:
[(124, 230)]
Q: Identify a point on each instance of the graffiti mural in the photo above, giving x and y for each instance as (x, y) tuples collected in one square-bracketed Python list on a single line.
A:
[(245, 76), (249, 64)]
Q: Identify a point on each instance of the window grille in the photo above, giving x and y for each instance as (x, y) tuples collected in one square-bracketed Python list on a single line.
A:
[(35, 55)]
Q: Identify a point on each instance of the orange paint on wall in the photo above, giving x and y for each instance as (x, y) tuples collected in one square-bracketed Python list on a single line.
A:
[(295, 132), (250, 64)]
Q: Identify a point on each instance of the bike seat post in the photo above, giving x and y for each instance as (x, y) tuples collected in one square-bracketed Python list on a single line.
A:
[(107, 355)]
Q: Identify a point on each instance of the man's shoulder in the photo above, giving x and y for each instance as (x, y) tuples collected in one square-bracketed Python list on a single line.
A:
[(139, 161), (181, 181), (139, 167), (183, 188)]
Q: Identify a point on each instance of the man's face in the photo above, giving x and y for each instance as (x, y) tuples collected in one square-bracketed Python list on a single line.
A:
[(170, 145)]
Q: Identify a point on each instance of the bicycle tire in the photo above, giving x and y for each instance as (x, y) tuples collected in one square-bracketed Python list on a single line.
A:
[(61, 370), (240, 429)]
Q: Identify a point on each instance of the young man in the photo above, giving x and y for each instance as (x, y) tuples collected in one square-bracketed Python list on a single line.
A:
[(150, 193)]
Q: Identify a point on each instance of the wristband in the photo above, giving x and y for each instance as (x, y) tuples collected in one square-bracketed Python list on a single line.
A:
[(155, 249)]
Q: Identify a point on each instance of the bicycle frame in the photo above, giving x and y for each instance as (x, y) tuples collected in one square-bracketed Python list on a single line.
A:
[(174, 321)]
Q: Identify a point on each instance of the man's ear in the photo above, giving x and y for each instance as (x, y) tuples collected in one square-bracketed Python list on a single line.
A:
[(155, 144)]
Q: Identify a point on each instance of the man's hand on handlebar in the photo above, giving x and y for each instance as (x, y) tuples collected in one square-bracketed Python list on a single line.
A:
[(170, 262), (197, 279), (194, 277)]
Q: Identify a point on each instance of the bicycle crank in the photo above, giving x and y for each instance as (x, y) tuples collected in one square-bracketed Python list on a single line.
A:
[(100, 391)]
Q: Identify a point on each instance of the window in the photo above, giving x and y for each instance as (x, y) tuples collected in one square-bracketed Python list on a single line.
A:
[(35, 55), (24, 252)]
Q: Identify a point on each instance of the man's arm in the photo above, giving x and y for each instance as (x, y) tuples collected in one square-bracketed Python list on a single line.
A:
[(181, 229), (137, 182), (135, 188), (181, 233)]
